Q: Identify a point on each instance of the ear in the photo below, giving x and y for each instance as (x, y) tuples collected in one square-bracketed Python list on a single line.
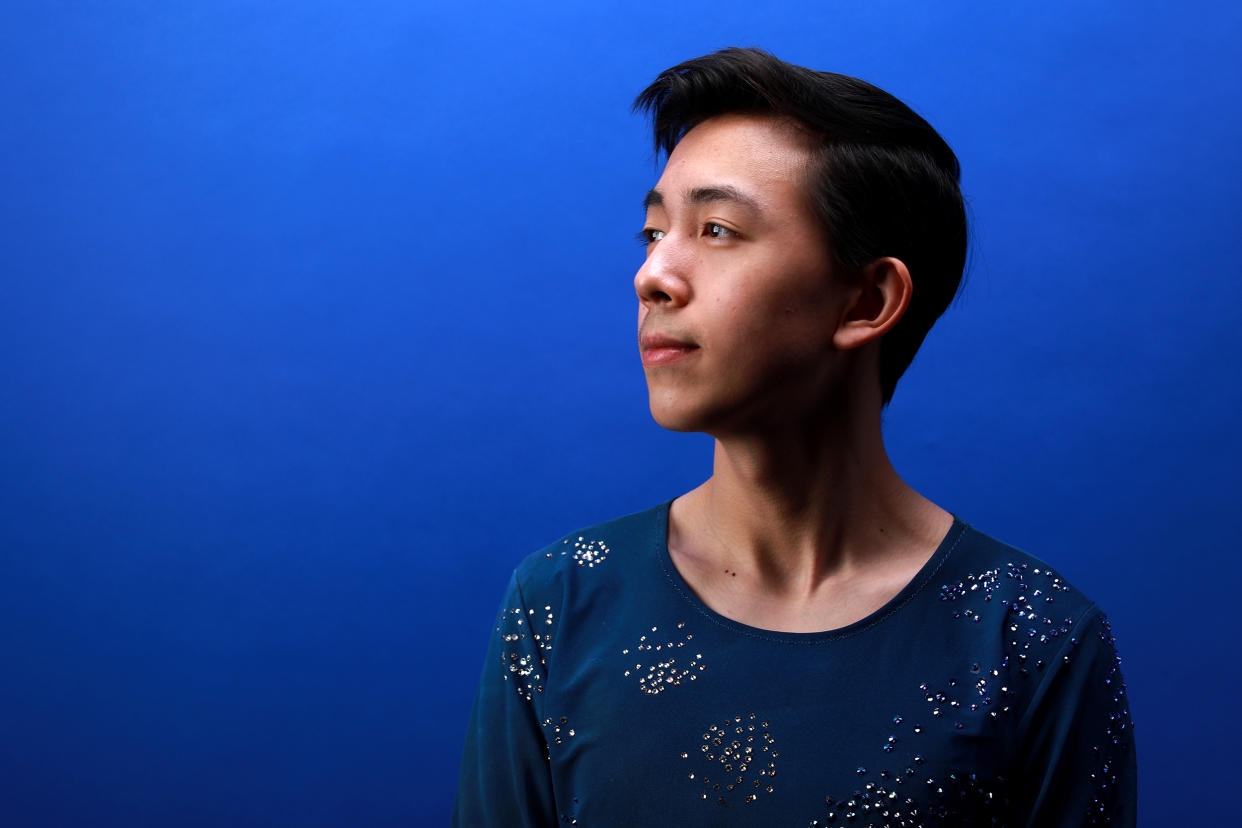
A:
[(877, 303)]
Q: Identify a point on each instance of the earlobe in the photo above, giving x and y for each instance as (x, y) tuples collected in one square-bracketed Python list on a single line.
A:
[(880, 299)]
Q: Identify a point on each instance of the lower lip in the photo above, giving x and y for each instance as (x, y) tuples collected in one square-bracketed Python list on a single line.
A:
[(663, 356)]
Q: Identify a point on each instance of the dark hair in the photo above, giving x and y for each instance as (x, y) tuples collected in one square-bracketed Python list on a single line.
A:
[(883, 182)]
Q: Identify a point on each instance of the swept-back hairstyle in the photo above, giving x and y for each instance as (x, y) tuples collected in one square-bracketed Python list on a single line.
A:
[(883, 182)]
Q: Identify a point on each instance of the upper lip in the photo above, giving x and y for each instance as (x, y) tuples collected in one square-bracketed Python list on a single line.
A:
[(653, 340)]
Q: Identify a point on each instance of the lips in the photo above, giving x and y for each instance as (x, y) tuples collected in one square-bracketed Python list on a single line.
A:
[(661, 349)]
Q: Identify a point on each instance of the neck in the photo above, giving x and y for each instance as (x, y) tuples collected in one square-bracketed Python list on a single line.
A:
[(794, 507)]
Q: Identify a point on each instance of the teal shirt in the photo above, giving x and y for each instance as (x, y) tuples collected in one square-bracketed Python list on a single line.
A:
[(987, 692)]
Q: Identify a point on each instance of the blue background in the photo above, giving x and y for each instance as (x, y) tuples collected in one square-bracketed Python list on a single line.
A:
[(316, 317)]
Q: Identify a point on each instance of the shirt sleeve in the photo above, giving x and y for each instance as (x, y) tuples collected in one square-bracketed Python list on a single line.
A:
[(1077, 760), (504, 778)]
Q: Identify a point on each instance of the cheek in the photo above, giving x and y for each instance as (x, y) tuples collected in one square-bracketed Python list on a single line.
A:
[(794, 326)]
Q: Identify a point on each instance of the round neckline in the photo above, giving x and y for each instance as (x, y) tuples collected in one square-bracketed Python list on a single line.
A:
[(916, 584)]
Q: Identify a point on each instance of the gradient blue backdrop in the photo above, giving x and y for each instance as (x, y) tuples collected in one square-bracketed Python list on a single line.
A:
[(317, 316)]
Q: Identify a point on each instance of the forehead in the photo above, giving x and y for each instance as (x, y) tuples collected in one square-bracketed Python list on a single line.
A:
[(763, 156)]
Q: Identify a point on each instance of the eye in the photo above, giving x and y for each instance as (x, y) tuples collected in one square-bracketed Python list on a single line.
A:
[(649, 234), (718, 231)]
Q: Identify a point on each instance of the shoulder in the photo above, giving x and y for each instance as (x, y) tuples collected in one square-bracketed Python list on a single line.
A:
[(1057, 651), (1060, 682), (983, 570), (1040, 618), (586, 581), (616, 546)]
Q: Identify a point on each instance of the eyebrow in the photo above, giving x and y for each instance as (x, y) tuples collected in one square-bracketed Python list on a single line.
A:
[(705, 195)]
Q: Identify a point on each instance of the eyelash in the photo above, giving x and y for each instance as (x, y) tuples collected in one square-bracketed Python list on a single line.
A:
[(644, 235)]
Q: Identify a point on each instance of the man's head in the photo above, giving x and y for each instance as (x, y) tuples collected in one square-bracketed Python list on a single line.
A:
[(881, 182)]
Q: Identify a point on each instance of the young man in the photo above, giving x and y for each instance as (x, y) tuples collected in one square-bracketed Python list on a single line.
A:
[(802, 640)]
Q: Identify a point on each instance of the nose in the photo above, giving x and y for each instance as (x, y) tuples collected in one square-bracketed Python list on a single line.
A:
[(663, 279)]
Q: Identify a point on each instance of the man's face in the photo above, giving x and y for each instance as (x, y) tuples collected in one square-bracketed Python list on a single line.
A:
[(738, 301)]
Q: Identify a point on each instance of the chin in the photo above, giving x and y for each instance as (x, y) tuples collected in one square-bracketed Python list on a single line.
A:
[(674, 424), (673, 417), (672, 421), (678, 416)]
